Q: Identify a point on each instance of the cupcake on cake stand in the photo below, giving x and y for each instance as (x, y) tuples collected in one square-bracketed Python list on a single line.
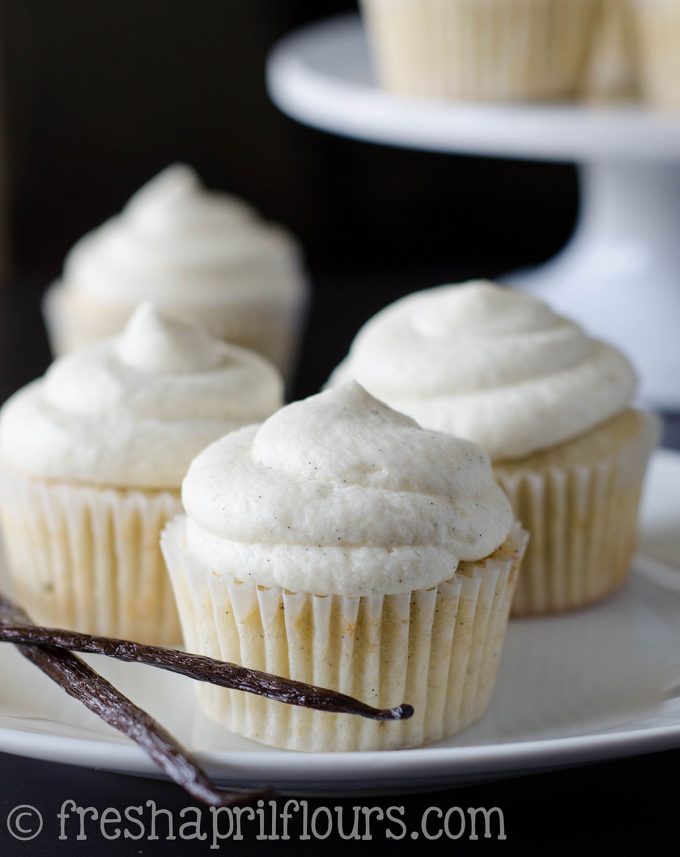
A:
[(620, 274)]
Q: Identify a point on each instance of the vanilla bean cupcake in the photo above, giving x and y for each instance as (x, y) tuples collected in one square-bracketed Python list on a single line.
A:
[(481, 50), (550, 405), (340, 544), (91, 460), (201, 256)]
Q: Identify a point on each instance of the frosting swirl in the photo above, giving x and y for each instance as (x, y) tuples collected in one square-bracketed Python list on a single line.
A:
[(489, 364), (176, 242), (340, 494), (133, 411)]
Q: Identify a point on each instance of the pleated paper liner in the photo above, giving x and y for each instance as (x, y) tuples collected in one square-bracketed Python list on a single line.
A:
[(658, 30), (612, 70), (481, 49), (271, 327), (88, 558), (437, 649), (580, 504)]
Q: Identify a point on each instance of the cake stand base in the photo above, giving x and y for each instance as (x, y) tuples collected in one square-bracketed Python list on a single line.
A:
[(620, 275)]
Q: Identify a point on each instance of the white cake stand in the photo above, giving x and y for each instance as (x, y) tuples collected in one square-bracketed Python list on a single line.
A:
[(620, 274)]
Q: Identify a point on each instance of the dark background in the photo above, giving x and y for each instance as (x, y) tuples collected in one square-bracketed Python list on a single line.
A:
[(100, 95)]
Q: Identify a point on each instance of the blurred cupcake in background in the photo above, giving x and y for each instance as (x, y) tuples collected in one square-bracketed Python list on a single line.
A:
[(551, 406), (91, 460), (481, 50), (341, 544), (202, 257), (658, 32)]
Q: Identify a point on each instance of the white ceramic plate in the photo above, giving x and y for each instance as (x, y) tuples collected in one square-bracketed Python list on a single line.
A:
[(597, 684)]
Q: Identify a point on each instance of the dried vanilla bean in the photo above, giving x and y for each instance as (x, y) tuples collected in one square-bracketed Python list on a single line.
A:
[(201, 668), (96, 693)]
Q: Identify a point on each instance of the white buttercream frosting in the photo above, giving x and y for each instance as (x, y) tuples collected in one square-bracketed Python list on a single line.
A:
[(133, 411), (489, 364), (340, 494), (175, 243)]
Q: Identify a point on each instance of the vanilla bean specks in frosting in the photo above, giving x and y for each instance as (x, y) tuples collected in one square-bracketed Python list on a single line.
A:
[(177, 242), (339, 494), (489, 364), (134, 410)]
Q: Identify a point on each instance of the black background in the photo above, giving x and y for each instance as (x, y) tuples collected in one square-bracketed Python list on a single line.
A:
[(100, 95)]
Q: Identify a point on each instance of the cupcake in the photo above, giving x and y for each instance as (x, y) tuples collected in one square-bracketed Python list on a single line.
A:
[(200, 256), (92, 456), (341, 544), (549, 404), (658, 30), (480, 50), (612, 72)]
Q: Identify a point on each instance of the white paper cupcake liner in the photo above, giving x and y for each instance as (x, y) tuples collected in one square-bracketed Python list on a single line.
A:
[(612, 71), (437, 649), (582, 517), (480, 49), (658, 30), (73, 323), (270, 327), (89, 559)]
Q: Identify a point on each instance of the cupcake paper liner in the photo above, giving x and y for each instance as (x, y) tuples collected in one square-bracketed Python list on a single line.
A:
[(89, 559), (612, 72), (658, 30), (436, 648), (270, 327), (582, 516), (73, 322), (480, 49)]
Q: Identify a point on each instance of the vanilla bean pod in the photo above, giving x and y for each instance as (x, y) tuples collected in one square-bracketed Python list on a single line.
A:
[(96, 693), (200, 668)]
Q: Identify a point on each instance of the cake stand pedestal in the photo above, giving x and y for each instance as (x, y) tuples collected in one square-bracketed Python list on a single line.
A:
[(620, 274)]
